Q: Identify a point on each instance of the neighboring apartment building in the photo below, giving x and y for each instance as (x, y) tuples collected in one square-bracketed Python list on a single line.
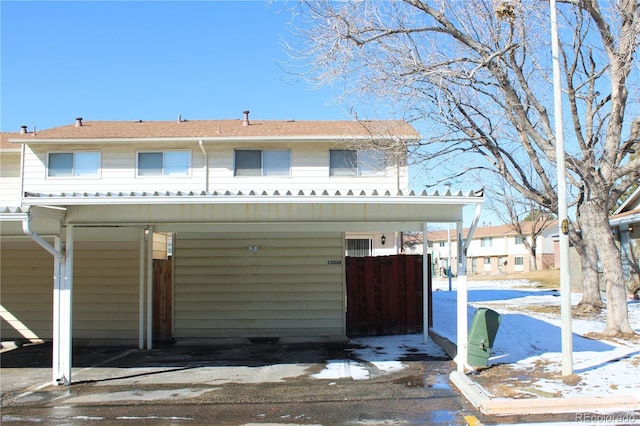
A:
[(493, 249), (261, 214), (625, 223)]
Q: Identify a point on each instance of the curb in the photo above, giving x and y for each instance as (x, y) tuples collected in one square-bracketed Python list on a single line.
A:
[(480, 399)]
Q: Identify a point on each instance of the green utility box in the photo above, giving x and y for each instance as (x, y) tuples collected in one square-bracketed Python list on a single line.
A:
[(484, 327)]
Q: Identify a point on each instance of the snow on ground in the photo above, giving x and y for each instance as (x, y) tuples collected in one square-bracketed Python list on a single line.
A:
[(384, 354), (528, 341), (529, 338)]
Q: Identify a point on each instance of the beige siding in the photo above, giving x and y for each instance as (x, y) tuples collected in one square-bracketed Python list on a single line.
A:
[(118, 171), (288, 288), (9, 179), (106, 290), (309, 170), (26, 289)]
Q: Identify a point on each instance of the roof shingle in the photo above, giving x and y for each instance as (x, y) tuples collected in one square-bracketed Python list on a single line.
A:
[(212, 129)]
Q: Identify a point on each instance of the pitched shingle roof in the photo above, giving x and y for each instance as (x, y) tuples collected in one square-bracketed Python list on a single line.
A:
[(486, 231), (220, 129), (5, 145)]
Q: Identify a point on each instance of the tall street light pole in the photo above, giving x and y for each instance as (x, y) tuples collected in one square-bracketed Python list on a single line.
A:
[(565, 278)]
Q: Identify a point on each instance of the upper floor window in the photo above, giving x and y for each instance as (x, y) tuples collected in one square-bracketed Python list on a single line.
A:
[(164, 163), (81, 164), (486, 242), (441, 244), (519, 239), (253, 162), (349, 162)]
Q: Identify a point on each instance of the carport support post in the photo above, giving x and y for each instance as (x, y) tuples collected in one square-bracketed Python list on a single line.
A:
[(150, 288), (62, 312), (426, 295), (141, 301), (462, 332), (58, 278)]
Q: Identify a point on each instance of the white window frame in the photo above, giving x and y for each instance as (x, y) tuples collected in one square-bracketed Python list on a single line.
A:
[(163, 173), (519, 240), (369, 242), (263, 172), (487, 264), (486, 242), (74, 172), (516, 266), (361, 169)]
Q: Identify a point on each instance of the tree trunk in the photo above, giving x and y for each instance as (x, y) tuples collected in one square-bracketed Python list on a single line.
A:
[(586, 249), (533, 255), (595, 218)]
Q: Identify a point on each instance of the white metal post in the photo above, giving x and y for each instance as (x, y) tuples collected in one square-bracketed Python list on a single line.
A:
[(449, 259), (565, 277), (58, 278), (141, 300), (150, 288), (426, 295), (66, 312), (462, 331)]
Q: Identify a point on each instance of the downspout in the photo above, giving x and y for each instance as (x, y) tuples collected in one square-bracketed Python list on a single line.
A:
[(26, 228), (22, 151), (206, 165)]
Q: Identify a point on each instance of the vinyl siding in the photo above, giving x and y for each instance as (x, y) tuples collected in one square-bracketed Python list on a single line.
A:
[(286, 289), (309, 170), (26, 290), (9, 179), (106, 290), (118, 170)]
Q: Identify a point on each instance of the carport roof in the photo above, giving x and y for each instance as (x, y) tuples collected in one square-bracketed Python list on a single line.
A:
[(281, 211), (250, 196)]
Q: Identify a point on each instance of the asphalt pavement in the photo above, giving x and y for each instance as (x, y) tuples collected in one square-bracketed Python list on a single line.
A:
[(261, 383)]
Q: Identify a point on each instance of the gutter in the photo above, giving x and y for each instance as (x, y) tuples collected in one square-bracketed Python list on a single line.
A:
[(298, 138), (26, 228)]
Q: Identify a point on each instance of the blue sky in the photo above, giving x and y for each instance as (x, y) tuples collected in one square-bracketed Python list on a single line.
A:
[(120, 60), (152, 60)]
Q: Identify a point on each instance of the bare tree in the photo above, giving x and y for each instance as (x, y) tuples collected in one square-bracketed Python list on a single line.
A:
[(524, 216), (476, 74)]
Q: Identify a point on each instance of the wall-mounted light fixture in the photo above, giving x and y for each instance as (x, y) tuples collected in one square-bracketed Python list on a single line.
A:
[(253, 249), (383, 240)]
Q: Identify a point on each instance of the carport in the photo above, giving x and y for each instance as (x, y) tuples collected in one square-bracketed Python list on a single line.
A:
[(78, 215)]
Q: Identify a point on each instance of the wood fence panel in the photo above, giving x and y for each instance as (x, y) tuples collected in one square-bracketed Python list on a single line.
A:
[(385, 295), (162, 300)]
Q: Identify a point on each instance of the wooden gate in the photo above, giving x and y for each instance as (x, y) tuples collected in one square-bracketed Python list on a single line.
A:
[(384, 295), (162, 300)]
